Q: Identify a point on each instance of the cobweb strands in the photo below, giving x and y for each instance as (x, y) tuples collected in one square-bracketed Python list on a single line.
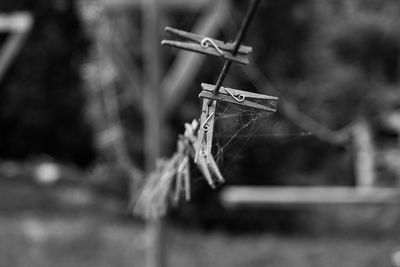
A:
[(236, 124)]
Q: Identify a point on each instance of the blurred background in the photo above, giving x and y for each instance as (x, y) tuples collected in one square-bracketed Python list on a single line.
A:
[(89, 100)]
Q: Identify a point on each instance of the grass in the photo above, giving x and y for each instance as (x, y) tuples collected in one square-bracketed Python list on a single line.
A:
[(87, 240), (46, 227)]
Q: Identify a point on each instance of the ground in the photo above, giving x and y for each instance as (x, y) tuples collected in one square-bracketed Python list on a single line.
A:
[(72, 226), (88, 240)]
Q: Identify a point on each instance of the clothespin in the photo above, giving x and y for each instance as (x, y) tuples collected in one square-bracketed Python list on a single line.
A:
[(182, 182), (239, 97), (209, 169), (206, 130), (208, 46)]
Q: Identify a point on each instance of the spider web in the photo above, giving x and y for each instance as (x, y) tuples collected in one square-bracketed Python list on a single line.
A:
[(235, 125)]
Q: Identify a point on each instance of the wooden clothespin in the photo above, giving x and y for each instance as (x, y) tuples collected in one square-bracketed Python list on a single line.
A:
[(206, 163), (206, 130), (205, 45), (182, 182), (239, 97), (210, 170)]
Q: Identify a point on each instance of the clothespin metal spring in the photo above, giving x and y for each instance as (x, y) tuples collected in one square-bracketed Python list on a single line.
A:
[(238, 97), (205, 125), (207, 41)]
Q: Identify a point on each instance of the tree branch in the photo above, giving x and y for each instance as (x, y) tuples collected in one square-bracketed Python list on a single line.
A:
[(299, 118)]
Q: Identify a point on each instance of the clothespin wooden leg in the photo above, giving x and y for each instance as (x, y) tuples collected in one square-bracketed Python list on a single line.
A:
[(203, 167), (216, 171), (182, 172), (186, 175), (178, 186), (200, 132), (210, 131), (204, 144), (181, 166)]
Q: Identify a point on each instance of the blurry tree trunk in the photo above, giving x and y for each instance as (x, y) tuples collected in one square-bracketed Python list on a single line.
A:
[(113, 63), (103, 101), (153, 119), (364, 154)]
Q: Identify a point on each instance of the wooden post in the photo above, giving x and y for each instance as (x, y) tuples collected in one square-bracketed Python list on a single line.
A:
[(265, 196), (152, 119), (364, 150)]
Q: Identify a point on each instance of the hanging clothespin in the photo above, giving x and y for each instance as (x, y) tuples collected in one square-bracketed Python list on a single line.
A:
[(206, 130), (208, 46), (182, 182), (210, 171), (206, 163), (239, 97)]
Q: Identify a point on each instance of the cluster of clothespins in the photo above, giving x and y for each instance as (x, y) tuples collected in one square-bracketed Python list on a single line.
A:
[(187, 144), (212, 94), (197, 141), (175, 173)]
